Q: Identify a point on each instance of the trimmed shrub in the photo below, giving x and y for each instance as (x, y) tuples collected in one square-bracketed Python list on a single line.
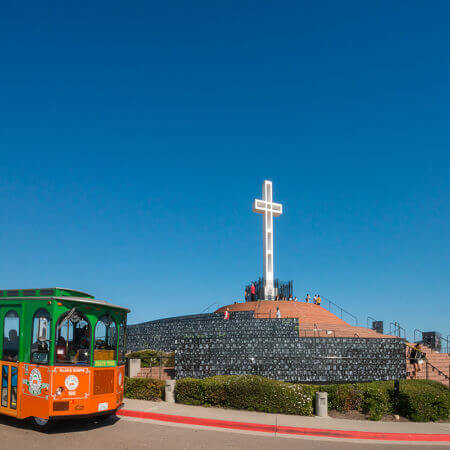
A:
[(376, 402), (418, 400), (343, 397), (248, 392), (190, 391), (152, 358), (371, 398), (424, 401), (144, 388)]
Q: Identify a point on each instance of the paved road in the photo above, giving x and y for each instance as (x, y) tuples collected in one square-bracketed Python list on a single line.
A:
[(135, 434)]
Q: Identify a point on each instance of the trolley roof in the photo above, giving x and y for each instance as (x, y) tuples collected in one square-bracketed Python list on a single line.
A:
[(56, 293)]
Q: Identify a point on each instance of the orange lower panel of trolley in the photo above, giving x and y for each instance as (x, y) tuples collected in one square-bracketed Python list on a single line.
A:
[(56, 391)]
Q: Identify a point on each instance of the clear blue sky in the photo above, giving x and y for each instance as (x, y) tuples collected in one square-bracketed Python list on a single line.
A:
[(133, 138)]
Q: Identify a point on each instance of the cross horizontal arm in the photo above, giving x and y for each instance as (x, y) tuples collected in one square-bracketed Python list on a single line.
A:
[(260, 206), (277, 209)]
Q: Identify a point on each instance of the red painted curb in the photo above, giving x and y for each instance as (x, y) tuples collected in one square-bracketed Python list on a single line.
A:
[(342, 434)]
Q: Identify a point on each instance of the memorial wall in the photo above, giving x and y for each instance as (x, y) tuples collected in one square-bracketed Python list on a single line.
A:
[(207, 345)]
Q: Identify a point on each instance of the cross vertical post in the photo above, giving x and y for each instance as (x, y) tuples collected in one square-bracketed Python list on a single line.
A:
[(268, 209)]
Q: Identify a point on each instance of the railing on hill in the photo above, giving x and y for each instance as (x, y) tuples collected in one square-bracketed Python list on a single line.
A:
[(284, 290), (342, 311), (447, 342), (435, 369), (209, 307), (377, 325), (417, 331), (397, 330)]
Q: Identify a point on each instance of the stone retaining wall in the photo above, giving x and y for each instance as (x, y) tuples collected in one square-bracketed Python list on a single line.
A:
[(208, 345)]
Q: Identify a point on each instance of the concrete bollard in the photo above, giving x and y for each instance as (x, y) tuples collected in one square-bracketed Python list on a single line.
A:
[(322, 404), (134, 367), (170, 391)]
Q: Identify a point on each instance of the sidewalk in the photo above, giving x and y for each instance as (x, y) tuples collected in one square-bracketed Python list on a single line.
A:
[(286, 424)]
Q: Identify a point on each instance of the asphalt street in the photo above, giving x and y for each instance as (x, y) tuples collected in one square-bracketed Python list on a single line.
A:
[(137, 434)]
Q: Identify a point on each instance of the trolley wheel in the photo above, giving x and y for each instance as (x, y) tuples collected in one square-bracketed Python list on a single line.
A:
[(41, 424)]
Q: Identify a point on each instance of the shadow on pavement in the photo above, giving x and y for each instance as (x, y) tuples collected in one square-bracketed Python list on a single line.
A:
[(62, 426)]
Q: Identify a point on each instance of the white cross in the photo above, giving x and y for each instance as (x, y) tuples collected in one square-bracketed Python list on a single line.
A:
[(269, 209)]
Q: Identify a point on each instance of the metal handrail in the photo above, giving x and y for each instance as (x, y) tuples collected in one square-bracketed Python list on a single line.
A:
[(420, 331), (207, 308), (437, 370), (446, 340), (341, 309), (399, 327), (447, 377)]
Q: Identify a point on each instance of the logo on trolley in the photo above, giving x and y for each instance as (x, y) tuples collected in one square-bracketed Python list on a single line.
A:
[(35, 382), (71, 382)]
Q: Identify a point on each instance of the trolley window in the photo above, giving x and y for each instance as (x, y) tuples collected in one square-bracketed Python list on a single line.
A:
[(11, 336), (40, 337), (73, 339), (105, 350)]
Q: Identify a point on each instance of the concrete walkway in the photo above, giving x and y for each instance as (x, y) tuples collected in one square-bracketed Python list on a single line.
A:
[(281, 423)]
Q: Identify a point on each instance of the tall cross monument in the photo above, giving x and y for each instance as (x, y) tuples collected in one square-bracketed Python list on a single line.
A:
[(268, 209)]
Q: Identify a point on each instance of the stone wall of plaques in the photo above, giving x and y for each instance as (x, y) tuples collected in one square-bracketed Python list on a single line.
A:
[(208, 345)]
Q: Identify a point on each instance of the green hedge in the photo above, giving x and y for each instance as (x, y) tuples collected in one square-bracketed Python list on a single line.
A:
[(424, 401), (374, 399), (249, 392), (152, 358), (418, 400), (144, 388)]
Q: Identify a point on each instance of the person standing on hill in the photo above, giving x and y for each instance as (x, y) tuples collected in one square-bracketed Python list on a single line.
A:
[(307, 298), (253, 292), (318, 300), (315, 299)]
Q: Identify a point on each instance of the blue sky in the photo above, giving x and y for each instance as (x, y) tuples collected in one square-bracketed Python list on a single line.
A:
[(133, 138)]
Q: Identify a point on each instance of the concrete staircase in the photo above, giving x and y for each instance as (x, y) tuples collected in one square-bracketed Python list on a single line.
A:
[(436, 367)]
